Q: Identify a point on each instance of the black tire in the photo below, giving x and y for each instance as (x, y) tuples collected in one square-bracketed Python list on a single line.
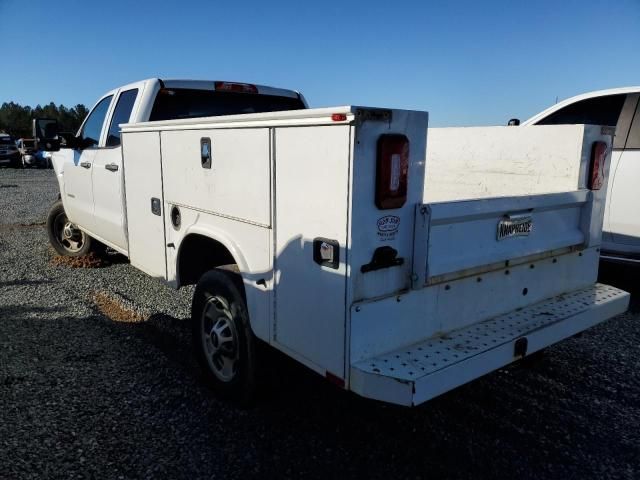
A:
[(74, 245), (220, 294)]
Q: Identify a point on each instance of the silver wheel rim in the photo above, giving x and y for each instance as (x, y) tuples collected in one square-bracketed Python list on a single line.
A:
[(220, 339), (69, 236)]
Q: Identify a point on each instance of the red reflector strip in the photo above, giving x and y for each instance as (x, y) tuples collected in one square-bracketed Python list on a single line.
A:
[(338, 117), (596, 171), (334, 379), (235, 87)]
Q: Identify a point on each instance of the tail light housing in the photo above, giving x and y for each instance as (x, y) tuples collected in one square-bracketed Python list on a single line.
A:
[(599, 152), (392, 171)]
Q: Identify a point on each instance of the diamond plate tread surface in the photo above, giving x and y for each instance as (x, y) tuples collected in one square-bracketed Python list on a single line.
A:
[(436, 353)]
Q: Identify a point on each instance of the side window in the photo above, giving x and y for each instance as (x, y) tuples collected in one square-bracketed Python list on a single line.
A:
[(91, 129), (121, 114), (593, 111), (633, 140)]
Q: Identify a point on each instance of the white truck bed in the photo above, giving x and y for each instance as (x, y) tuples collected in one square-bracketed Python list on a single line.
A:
[(466, 280), (466, 163), (428, 271)]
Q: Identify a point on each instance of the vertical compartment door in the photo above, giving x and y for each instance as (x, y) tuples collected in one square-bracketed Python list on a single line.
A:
[(311, 192), (144, 202)]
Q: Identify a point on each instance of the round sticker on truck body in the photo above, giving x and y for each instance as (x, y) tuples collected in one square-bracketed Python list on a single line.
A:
[(388, 227)]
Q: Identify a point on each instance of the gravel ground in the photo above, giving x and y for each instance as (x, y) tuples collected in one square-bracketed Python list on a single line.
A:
[(88, 390)]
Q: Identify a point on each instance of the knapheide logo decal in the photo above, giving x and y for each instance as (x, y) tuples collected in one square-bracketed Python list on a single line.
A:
[(388, 227)]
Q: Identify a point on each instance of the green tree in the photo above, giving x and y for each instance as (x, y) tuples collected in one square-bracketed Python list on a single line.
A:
[(16, 119)]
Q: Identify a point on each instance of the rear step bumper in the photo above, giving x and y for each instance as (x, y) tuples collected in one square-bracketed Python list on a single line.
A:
[(419, 372)]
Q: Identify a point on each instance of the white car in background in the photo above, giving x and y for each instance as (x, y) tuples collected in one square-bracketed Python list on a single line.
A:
[(618, 107)]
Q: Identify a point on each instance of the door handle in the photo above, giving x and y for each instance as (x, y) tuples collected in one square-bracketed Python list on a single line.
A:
[(112, 167), (156, 208), (85, 164)]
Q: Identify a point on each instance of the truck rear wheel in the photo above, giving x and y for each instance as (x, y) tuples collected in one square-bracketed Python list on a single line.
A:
[(222, 338), (65, 237)]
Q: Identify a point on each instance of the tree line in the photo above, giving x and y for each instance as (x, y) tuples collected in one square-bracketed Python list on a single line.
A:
[(16, 120)]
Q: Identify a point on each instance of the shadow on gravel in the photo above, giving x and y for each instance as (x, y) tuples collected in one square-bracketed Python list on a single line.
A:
[(161, 330), (524, 420), (14, 283), (20, 312), (127, 381)]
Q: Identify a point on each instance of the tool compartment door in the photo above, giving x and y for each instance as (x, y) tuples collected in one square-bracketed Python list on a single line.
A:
[(144, 202), (457, 239), (312, 180)]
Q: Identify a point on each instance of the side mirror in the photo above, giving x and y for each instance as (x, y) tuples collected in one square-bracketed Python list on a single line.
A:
[(45, 134), (514, 122), (68, 140)]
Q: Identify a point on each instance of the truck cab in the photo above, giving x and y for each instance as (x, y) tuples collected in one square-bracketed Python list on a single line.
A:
[(90, 174)]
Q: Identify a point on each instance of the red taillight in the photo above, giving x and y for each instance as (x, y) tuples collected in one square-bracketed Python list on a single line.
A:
[(596, 171), (392, 171), (338, 117), (236, 87)]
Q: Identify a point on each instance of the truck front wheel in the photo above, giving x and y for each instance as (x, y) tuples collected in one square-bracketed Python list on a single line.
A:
[(66, 238), (222, 338)]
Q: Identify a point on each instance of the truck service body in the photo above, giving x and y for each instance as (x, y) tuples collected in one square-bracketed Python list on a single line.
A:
[(399, 264)]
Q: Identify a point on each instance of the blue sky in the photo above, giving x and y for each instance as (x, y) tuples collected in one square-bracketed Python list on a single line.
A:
[(466, 62)]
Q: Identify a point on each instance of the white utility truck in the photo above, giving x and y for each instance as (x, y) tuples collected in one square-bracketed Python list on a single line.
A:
[(315, 231)]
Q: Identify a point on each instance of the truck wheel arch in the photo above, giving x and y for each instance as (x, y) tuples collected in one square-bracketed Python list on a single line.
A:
[(201, 251), (191, 264)]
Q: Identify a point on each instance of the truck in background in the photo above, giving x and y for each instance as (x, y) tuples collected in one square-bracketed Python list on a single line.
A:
[(619, 108)]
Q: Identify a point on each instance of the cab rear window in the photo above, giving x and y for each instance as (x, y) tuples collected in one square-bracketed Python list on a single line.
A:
[(593, 111), (176, 103)]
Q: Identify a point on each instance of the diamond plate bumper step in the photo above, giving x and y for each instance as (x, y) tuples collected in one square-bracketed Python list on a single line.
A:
[(419, 372)]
